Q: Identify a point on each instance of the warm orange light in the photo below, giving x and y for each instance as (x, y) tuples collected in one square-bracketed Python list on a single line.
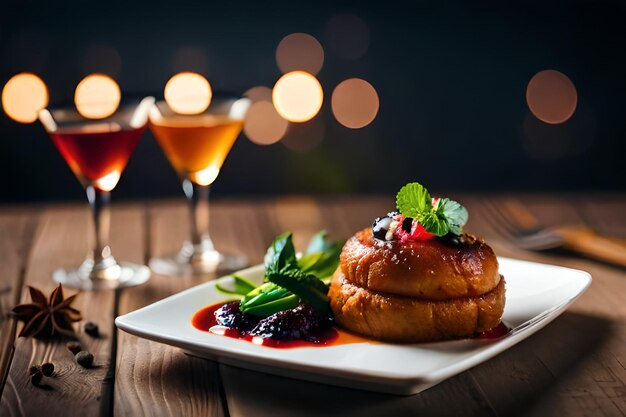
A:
[(263, 125), (355, 103), (205, 176), (551, 96), (23, 96), (299, 51), (109, 181), (188, 93), (297, 96), (97, 96), (259, 93)]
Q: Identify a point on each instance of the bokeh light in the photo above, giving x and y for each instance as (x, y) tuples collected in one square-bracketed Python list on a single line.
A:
[(348, 36), (263, 125), (188, 93), (23, 96), (97, 96), (259, 93), (299, 51), (205, 176), (304, 137), (355, 103), (109, 181), (297, 96), (551, 96)]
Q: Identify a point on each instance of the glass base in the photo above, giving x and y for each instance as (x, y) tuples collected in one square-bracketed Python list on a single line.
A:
[(129, 275), (177, 265)]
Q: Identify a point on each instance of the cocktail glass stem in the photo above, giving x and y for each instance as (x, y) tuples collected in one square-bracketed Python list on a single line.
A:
[(103, 265), (199, 250)]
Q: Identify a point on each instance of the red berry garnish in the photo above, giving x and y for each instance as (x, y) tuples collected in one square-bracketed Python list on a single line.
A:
[(417, 233)]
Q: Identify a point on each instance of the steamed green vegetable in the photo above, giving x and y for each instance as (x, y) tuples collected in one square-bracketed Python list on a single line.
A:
[(289, 280), (241, 286)]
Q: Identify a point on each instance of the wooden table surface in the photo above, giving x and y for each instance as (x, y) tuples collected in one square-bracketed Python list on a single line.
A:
[(575, 366)]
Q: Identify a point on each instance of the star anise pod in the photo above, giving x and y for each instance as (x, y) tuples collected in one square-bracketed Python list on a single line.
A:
[(47, 317)]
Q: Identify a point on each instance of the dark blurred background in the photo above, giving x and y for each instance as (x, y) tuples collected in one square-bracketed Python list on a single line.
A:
[(451, 78)]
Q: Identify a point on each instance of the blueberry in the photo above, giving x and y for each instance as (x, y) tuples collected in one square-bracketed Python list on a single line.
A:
[(407, 224), (380, 227)]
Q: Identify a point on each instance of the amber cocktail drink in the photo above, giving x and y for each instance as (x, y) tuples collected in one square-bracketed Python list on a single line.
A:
[(196, 146)]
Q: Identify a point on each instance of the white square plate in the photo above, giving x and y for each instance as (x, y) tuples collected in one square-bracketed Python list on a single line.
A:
[(536, 295)]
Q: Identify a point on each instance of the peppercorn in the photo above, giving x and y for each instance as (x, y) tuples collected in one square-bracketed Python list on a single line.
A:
[(91, 328), (47, 369), (84, 359), (73, 347), (35, 378)]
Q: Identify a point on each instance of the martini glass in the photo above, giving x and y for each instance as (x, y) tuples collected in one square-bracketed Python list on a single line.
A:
[(97, 151), (196, 146)]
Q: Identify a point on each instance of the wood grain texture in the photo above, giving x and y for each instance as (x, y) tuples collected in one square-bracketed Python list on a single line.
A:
[(17, 230), (63, 241), (576, 366), (158, 380), (552, 373)]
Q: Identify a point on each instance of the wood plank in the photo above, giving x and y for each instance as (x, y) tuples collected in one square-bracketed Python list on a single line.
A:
[(596, 383), (257, 394), (17, 229), (62, 241), (158, 380), (536, 376), (575, 366)]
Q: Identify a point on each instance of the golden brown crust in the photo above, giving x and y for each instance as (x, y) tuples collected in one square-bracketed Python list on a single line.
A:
[(405, 319), (430, 270)]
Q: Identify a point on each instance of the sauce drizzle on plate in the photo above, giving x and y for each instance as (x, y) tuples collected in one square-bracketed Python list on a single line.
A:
[(204, 320)]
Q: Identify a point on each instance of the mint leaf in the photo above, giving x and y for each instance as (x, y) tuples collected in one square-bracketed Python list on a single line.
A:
[(455, 214), (413, 199), (434, 223)]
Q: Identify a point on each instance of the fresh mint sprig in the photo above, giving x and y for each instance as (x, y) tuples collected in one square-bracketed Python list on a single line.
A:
[(414, 200)]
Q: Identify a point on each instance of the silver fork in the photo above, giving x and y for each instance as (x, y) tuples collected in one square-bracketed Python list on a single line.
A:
[(514, 221)]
